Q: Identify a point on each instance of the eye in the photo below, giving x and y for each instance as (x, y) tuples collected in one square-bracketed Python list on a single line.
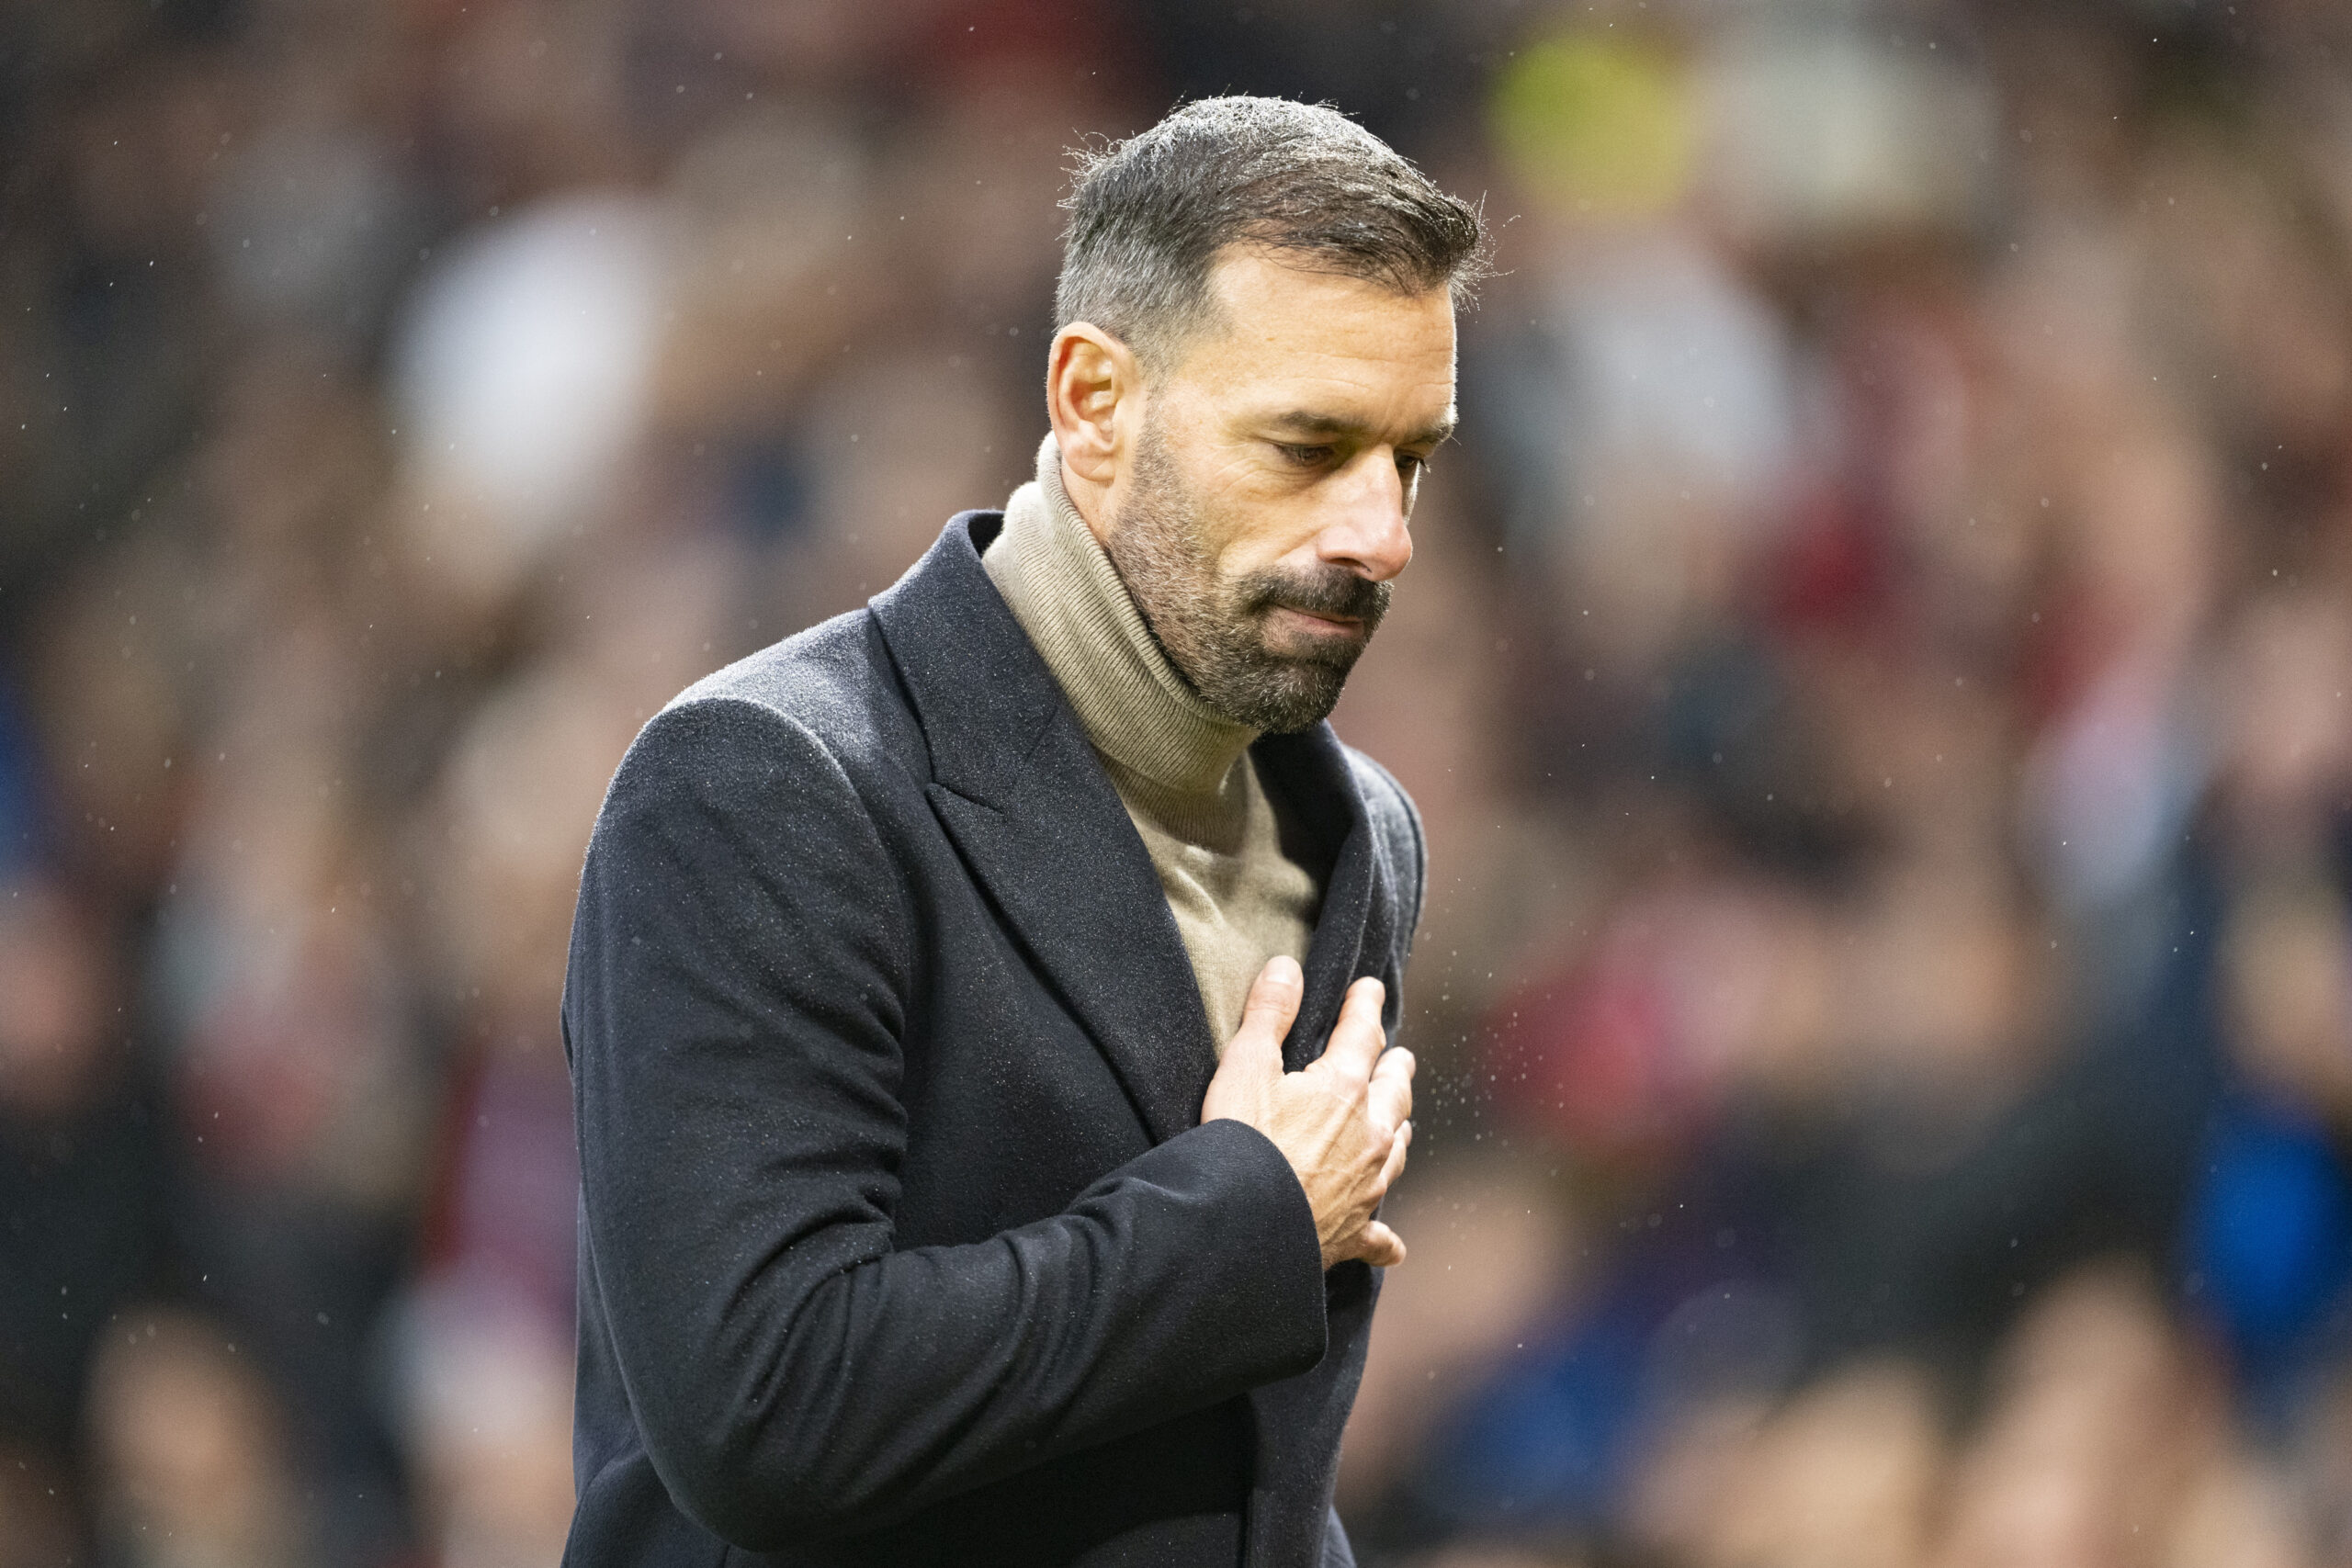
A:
[(1412, 465), (1304, 457)]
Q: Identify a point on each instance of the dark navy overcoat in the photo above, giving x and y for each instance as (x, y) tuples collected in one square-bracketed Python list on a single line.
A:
[(901, 1239)]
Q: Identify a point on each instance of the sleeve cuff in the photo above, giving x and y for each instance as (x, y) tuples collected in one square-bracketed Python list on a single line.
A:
[(1269, 1230)]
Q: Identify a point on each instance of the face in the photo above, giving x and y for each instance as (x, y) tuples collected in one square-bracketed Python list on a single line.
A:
[(1261, 511)]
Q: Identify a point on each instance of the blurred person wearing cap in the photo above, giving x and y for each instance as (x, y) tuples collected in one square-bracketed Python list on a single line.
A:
[(979, 1003)]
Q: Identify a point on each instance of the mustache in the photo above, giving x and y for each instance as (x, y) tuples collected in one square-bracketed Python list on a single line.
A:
[(1333, 590)]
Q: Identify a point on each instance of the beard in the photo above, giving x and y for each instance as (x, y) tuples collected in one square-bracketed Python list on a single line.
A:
[(1215, 629)]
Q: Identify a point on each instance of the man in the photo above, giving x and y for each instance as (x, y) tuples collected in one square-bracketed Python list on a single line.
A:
[(977, 1003)]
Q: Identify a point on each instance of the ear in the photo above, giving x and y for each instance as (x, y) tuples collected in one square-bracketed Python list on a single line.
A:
[(1094, 397)]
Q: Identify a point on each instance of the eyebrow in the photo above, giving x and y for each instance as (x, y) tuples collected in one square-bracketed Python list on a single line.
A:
[(1307, 423)]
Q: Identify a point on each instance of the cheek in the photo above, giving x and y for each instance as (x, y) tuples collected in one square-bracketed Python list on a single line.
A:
[(1278, 537), (1241, 538)]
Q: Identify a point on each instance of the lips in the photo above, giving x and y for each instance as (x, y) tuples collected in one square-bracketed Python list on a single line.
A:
[(1340, 600), (1340, 623)]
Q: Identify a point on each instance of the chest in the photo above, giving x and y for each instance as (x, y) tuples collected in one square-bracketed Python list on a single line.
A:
[(1035, 1062)]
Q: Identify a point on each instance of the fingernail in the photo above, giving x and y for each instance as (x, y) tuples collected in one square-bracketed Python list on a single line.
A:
[(1283, 969)]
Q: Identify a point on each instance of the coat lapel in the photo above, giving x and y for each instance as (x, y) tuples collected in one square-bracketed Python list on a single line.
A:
[(1309, 772), (1022, 794), (1019, 790)]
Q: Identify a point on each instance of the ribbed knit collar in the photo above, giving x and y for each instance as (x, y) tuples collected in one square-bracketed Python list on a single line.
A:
[(1136, 708)]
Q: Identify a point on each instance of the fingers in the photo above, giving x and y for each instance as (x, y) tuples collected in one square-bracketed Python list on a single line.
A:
[(1383, 1248), (1357, 1039), (1272, 1006), (1380, 1247), (1376, 1243), (1251, 1063), (1388, 1102), (1394, 1167)]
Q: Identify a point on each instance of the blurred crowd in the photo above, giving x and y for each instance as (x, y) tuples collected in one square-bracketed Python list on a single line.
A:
[(1874, 672)]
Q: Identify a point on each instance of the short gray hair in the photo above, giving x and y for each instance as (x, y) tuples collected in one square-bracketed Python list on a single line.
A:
[(1149, 216)]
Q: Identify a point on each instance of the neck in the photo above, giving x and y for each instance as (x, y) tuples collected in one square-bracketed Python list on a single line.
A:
[(1139, 711)]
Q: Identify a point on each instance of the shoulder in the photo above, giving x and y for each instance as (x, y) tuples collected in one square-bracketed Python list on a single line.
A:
[(748, 827), (833, 681), (1396, 825), (817, 716)]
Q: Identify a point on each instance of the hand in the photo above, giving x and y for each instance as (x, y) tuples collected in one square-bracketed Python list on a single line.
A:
[(1341, 1122)]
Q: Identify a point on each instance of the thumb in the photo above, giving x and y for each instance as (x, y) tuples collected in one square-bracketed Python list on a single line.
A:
[(1251, 1066), (1266, 1017)]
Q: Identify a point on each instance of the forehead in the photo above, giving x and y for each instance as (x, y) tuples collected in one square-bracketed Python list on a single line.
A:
[(1310, 338)]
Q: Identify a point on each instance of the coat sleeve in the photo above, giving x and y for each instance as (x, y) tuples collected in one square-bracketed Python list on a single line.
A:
[(742, 966)]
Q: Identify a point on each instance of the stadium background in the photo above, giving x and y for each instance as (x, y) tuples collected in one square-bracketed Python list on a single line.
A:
[(1874, 672)]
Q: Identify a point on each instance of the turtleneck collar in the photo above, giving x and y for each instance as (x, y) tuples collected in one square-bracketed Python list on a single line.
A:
[(1136, 708)]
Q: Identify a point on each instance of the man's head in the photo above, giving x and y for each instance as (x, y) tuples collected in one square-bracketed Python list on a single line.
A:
[(1254, 364)]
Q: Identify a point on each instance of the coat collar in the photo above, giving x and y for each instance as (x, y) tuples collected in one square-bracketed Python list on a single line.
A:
[(1021, 792)]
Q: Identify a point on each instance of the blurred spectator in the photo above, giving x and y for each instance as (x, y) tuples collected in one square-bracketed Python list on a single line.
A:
[(486, 1384), (1846, 1473), (521, 383), (82, 1165), (189, 1452)]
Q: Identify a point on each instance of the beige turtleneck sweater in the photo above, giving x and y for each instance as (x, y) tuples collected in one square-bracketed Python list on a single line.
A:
[(1183, 771)]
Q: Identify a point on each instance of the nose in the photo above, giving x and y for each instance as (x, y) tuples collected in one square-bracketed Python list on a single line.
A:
[(1366, 532)]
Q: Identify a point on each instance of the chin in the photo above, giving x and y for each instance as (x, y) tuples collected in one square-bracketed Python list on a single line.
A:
[(1301, 696)]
